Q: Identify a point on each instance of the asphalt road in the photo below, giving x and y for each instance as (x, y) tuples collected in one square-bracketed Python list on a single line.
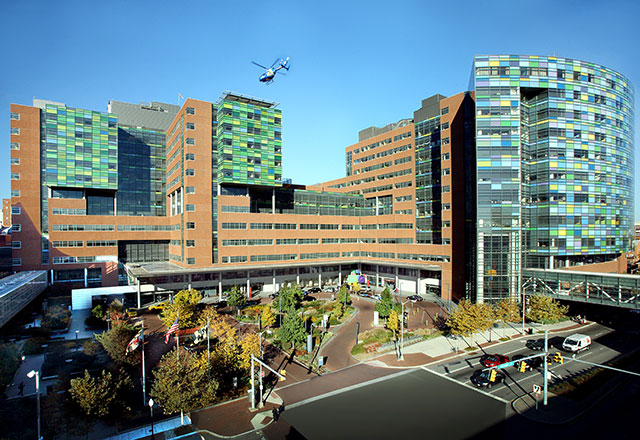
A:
[(606, 345), (414, 404)]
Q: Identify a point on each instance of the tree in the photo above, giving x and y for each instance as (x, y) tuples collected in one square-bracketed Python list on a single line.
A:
[(507, 310), (184, 303), (9, 363), (392, 321), (338, 309), (344, 293), (267, 318), (290, 297), (181, 383), (543, 308), (383, 307), (461, 320), (100, 396), (249, 345), (115, 312), (292, 330), (56, 318), (236, 298), (115, 343)]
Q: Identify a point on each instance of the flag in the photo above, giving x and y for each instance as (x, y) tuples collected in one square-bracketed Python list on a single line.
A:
[(172, 329), (134, 343), (200, 334)]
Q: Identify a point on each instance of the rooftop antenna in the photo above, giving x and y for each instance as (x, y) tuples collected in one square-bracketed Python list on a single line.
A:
[(179, 98)]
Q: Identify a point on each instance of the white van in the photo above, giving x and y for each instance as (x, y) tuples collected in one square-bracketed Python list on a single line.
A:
[(576, 343)]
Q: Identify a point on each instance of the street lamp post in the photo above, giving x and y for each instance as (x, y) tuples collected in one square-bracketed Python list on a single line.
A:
[(31, 374), (77, 331), (402, 333), (260, 334), (151, 408)]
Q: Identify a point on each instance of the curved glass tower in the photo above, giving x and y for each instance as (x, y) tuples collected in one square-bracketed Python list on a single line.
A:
[(554, 146)]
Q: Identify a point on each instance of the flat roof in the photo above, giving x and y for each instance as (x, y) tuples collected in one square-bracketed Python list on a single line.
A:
[(246, 99), (8, 284), (160, 268)]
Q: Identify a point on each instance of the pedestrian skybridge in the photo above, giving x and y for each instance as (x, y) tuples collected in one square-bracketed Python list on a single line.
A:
[(618, 290)]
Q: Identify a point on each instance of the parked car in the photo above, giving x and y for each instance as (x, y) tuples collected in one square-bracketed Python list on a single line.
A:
[(364, 293), (312, 290), (274, 295), (493, 360), (535, 344), (532, 363), (415, 298), (329, 289), (219, 304), (480, 378)]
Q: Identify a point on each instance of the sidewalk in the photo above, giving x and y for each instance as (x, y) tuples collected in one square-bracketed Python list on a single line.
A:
[(32, 362), (432, 350)]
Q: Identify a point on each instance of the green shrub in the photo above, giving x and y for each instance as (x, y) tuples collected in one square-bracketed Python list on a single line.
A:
[(358, 349), (33, 345), (57, 318)]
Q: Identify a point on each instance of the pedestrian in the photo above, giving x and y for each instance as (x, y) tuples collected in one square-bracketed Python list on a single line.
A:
[(21, 389), (275, 414)]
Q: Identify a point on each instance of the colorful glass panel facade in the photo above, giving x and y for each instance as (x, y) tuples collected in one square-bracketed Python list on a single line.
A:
[(81, 148), (249, 142), (554, 166)]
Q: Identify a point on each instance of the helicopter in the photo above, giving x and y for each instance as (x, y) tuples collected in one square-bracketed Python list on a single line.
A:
[(270, 72)]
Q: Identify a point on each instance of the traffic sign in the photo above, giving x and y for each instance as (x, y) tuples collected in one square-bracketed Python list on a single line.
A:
[(505, 365), (536, 388)]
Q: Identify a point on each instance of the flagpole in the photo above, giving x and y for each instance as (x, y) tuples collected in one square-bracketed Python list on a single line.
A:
[(144, 380), (208, 351)]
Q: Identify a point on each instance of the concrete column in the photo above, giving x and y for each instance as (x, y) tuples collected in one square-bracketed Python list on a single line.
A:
[(273, 278), (220, 288), (320, 277), (397, 284), (138, 291), (273, 201), (189, 285), (86, 275), (248, 285), (377, 275), (298, 276), (339, 275), (418, 283)]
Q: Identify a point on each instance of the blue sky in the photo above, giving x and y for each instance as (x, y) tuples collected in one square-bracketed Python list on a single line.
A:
[(354, 63)]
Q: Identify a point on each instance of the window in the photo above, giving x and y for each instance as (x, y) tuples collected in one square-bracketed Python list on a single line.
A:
[(15, 161), (191, 261), (189, 207), (191, 225), (15, 145), (190, 111), (190, 126), (16, 227), (446, 188), (445, 141), (446, 206), (15, 116), (15, 130), (16, 261), (190, 141), (445, 125), (444, 111), (16, 244), (190, 190), (446, 156), (560, 73), (190, 243), (576, 94), (446, 171), (15, 210), (446, 224), (190, 156), (190, 172), (15, 193), (15, 176)]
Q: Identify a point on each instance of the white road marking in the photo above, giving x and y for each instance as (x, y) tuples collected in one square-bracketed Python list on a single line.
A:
[(468, 385)]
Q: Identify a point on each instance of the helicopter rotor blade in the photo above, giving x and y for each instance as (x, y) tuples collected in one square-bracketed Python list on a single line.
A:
[(259, 65)]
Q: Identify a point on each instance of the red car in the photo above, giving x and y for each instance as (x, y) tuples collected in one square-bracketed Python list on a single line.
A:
[(493, 360)]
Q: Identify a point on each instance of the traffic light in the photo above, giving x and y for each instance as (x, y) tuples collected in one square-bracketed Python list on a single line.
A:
[(557, 357), (284, 374), (492, 375), (523, 366), (405, 317)]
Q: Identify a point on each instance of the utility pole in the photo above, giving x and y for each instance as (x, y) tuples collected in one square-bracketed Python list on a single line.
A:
[(546, 354), (144, 379)]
